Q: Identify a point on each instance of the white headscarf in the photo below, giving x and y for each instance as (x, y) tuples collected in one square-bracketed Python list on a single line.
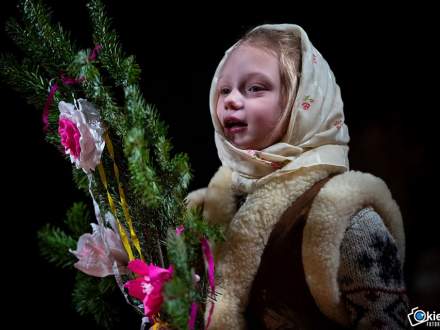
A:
[(316, 134)]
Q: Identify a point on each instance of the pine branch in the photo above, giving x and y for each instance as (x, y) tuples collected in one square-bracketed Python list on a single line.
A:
[(94, 297), (184, 253), (154, 179), (178, 290), (138, 111), (182, 175), (198, 227), (78, 219), (41, 40), (160, 180), (144, 178), (122, 69), (25, 78), (98, 93), (80, 179), (54, 246), (179, 308)]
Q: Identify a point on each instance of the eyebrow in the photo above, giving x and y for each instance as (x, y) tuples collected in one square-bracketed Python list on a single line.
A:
[(257, 74), (250, 75)]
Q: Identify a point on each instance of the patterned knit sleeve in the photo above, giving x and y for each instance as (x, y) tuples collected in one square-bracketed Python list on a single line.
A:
[(370, 275)]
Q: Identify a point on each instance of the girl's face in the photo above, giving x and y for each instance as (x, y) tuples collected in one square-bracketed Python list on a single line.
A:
[(249, 105)]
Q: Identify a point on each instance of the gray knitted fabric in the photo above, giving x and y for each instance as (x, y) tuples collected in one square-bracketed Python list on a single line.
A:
[(370, 275)]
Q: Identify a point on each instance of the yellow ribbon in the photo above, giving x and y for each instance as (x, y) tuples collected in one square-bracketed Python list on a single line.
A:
[(122, 197), (122, 232), (158, 324)]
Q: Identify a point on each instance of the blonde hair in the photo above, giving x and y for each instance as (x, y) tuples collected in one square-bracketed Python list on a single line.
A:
[(287, 47)]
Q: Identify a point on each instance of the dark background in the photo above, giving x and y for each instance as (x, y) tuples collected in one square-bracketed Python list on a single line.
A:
[(383, 60)]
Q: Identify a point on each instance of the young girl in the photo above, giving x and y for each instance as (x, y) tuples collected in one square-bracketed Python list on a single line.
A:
[(309, 244)]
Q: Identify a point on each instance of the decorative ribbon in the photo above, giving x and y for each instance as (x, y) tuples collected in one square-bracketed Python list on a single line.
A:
[(192, 318), (124, 205), (47, 105), (107, 248), (209, 260), (101, 228), (71, 81), (158, 324), (94, 53), (122, 233)]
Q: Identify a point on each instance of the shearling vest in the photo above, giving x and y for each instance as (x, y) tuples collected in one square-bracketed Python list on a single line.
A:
[(279, 297), (311, 250)]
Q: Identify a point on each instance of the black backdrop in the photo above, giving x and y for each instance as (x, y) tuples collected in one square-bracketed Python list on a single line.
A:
[(382, 58)]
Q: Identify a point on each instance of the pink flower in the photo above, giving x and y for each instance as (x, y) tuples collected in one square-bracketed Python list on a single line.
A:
[(148, 286), (179, 230), (81, 132), (306, 105), (70, 135), (95, 258), (307, 102)]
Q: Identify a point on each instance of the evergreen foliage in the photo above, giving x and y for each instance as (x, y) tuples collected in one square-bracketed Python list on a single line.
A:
[(146, 180)]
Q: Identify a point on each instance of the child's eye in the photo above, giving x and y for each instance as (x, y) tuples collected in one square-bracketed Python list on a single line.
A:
[(225, 91), (255, 88)]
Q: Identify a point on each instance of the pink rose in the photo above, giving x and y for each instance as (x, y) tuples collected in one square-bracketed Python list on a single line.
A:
[(70, 135), (148, 286), (81, 133)]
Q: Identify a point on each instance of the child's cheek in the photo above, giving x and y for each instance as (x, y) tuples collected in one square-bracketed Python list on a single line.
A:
[(219, 117)]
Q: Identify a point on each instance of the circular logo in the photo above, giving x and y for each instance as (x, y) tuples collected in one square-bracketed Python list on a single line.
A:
[(420, 316)]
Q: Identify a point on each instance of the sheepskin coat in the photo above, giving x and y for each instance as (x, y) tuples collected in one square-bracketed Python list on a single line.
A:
[(248, 228)]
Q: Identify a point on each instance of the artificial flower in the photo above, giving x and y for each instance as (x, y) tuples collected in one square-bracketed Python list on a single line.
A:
[(149, 285), (98, 251), (81, 131)]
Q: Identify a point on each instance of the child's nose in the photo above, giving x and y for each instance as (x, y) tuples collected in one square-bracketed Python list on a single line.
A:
[(234, 100)]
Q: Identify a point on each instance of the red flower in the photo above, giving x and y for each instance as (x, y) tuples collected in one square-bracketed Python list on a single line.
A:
[(306, 105)]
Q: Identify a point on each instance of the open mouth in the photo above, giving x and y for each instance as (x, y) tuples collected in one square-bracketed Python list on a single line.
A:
[(234, 123)]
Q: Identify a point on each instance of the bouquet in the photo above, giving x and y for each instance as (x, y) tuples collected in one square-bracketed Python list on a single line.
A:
[(143, 240)]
